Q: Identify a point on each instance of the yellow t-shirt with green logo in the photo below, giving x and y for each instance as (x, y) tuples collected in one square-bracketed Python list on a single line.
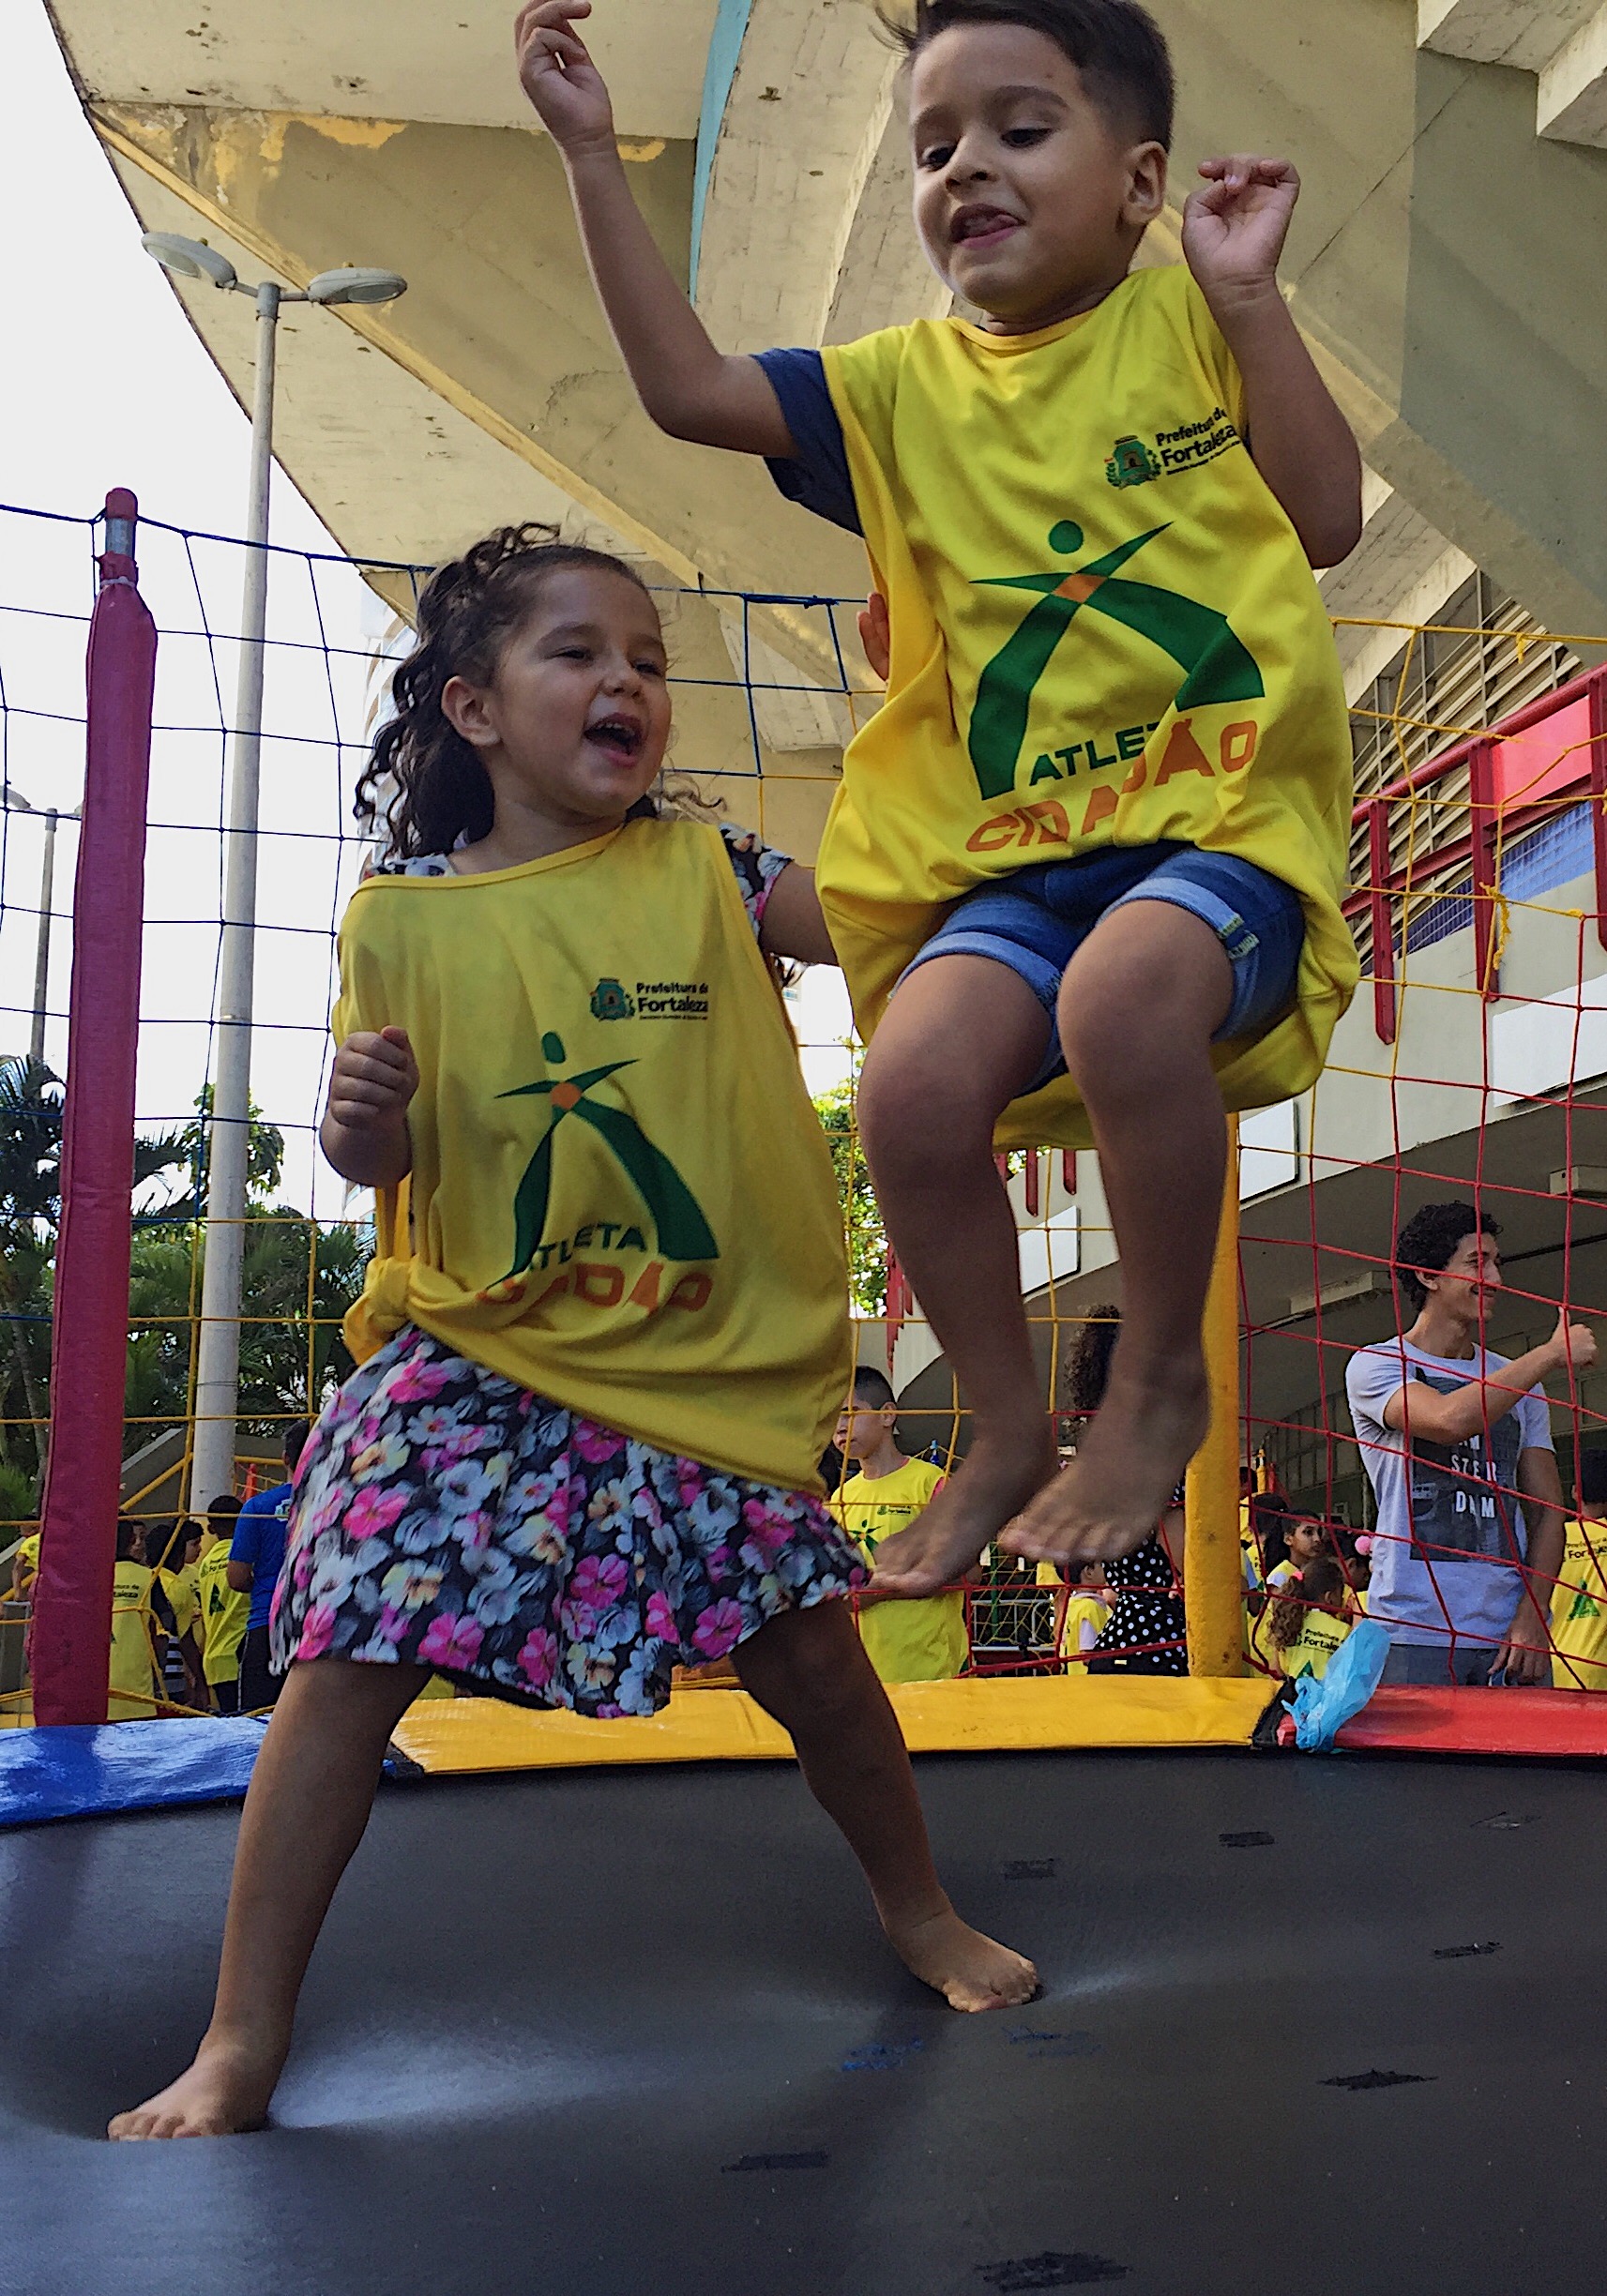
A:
[(1104, 632), (221, 1621), (1321, 1634), (906, 1642), (621, 1197), (25, 1562), (133, 1678), (1579, 1610)]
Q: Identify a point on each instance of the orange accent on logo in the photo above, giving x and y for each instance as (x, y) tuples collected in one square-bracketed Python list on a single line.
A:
[(597, 1284), (554, 1290), (1136, 779), (647, 1292), (692, 1290), (1184, 755), (1238, 745), (567, 1095), (1080, 588), (995, 835)]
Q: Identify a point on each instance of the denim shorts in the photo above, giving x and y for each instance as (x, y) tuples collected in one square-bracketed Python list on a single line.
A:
[(1035, 921)]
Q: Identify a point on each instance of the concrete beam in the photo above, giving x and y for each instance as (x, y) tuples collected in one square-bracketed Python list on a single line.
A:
[(884, 279), (1572, 107), (1524, 33), (802, 128), (344, 409), (501, 323), (408, 60)]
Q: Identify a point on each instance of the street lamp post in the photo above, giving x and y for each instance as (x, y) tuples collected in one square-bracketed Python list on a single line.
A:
[(16, 803), (217, 1366)]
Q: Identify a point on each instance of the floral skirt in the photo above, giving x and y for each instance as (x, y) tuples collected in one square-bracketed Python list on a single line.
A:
[(445, 1516)]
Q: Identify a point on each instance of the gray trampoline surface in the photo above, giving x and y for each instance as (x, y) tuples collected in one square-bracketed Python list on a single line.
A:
[(634, 2033)]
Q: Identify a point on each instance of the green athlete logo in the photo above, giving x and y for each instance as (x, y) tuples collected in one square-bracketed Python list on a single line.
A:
[(1199, 640), (683, 1232)]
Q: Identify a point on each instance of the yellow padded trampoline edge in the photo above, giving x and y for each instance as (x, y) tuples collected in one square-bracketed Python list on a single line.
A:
[(1015, 1714)]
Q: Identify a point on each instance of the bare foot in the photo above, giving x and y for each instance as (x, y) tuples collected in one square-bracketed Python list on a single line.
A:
[(969, 1970), (998, 1476), (225, 2092), (1122, 1481)]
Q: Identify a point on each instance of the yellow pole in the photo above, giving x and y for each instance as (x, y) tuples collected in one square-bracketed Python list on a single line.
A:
[(1212, 1571)]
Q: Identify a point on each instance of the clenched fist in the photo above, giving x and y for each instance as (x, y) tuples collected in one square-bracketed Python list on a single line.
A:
[(374, 1080)]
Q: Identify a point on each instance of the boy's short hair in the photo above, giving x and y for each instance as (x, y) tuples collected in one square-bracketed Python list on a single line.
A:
[(1117, 45), (1430, 1239), (873, 1387)]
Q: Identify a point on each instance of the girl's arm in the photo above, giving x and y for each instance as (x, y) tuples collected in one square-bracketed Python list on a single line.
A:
[(364, 1133), (793, 923), (689, 389), (1233, 236)]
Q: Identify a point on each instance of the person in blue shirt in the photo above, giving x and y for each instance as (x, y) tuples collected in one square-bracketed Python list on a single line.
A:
[(256, 1557)]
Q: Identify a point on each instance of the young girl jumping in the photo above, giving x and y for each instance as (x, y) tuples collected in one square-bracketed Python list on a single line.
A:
[(581, 1447)]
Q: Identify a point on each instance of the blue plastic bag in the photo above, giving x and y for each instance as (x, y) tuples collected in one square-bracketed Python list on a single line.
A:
[(1322, 1709)]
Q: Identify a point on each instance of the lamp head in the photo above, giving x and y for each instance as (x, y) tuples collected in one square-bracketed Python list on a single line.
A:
[(357, 286), (189, 259)]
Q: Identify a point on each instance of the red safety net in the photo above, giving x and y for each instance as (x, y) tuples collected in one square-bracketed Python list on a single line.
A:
[(1473, 1066)]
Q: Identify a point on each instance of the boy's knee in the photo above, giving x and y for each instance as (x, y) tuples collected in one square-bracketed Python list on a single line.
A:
[(913, 1106)]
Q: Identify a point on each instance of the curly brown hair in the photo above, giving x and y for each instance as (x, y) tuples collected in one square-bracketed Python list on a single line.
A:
[(467, 613), (1088, 1366), (1321, 1586)]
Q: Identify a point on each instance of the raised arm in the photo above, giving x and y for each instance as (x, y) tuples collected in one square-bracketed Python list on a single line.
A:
[(1233, 236), (1418, 1409), (689, 389)]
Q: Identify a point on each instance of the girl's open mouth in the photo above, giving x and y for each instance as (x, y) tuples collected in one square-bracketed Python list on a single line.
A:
[(620, 737)]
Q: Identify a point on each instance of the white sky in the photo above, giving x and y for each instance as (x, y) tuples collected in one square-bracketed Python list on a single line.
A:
[(104, 384)]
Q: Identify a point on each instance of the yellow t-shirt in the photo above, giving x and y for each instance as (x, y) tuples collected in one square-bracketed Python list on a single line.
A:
[(621, 1197), (1104, 632), (1579, 1610), (906, 1642), (1320, 1636), (220, 1627), (133, 1671), (180, 1588), (25, 1562), (1082, 1610)]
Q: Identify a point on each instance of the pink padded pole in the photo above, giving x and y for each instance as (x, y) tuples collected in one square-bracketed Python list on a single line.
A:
[(72, 1613)]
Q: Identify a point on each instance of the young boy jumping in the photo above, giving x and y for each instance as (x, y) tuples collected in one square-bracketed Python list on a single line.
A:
[(1084, 871)]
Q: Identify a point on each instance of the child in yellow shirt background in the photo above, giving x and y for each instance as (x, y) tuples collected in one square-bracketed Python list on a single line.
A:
[(1579, 1600), (1082, 1608), (928, 1641)]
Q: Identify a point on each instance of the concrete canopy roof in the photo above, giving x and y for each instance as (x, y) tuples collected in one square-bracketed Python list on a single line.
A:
[(1444, 261)]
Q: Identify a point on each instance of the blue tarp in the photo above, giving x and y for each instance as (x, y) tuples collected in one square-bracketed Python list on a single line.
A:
[(92, 1772)]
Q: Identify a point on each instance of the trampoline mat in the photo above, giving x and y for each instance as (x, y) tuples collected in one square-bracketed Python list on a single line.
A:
[(635, 2035)]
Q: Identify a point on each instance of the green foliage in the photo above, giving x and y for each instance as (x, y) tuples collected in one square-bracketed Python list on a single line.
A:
[(861, 1216), (299, 1279)]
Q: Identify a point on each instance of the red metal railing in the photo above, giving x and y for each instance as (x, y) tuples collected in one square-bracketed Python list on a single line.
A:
[(1489, 823)]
